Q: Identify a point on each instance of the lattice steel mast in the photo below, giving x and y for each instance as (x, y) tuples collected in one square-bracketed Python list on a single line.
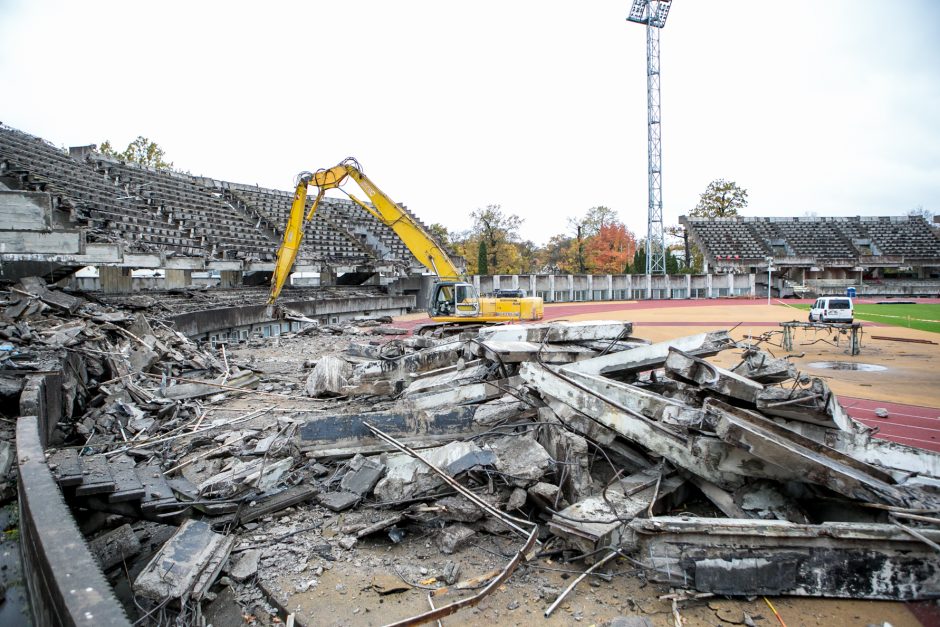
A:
[(653, 13)]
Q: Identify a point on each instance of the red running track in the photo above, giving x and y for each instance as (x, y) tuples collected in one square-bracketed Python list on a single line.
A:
[(913, 425)]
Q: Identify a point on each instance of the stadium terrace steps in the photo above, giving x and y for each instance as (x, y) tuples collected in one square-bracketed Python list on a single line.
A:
[(825, 239)]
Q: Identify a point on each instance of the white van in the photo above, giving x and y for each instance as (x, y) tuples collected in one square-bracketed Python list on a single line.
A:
[(832, 309)]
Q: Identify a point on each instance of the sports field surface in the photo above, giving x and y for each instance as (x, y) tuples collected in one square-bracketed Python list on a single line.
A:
[(923, 316)]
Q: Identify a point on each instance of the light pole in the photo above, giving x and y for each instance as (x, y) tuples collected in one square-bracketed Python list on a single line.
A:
[(770, 267), (652, 14)]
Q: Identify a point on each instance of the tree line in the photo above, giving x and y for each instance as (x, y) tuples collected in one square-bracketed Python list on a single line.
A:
[(597, 242)]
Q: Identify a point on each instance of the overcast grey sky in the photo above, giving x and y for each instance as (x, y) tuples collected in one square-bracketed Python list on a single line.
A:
[(828, 107)]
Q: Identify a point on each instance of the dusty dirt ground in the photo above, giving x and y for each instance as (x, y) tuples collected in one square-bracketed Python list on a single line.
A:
[(325, 586)]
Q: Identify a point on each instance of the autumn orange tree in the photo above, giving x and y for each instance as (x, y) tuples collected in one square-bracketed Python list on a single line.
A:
[(610, 250)]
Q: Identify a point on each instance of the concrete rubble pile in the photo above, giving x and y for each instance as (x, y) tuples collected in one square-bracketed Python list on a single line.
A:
[(575, 437), (744, 480)]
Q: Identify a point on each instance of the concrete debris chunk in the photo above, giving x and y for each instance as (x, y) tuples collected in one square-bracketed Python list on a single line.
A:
[(337, 501), (362, 475), (459, 509), (522, 460), (408, 477), (186, 566), (561, 331), (246, 565), (328, 377), (115, 546), (454, 537)]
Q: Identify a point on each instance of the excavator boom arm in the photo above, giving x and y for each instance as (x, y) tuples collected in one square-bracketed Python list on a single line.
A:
[(411, 233)]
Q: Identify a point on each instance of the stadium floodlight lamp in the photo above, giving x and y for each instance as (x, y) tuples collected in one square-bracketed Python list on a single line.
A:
[(651, 12)]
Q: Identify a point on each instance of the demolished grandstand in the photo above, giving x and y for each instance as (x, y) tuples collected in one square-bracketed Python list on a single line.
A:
[(82, 208)]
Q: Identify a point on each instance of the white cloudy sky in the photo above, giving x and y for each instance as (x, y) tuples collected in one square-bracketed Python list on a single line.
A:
[(828, 107)]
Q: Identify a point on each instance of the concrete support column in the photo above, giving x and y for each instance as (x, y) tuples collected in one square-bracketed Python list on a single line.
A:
[(515, 281), (570, 287), (629, 288), (649, 287), (476, 283), (116, 280), (590, 287), (533, 285), (230, 278), (551, 287), (688, 286), (753, 285), (610, 287), (327, 276), (731, 284), (495, 282), (708, 286), (178, 278)]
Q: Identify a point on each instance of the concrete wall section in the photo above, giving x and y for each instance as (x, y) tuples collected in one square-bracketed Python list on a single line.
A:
[(199, 324), (66, 586), (116, 280), (26, 211), (38, 242), (606, 287)]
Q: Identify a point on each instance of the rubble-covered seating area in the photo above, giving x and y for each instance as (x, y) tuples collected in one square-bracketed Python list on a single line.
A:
[(149, 210), (227, 233), (197, 473), (108, 211), (849, 238), (339, 229), (323, 238)]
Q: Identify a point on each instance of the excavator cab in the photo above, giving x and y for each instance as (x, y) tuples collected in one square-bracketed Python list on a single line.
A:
[(453, 299)]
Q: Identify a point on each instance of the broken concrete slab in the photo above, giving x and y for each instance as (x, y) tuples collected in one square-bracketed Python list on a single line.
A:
[(458, 508), (128, 486), (561, 331), (115, 546), (654, 355), (344, 435), (599, 521), (281, 500), (814, 462), (770, 557), (246, 565), (454, 537), (337, 501), (363, 474), (695, 369), (432, 358), (184, 391), (521, 459), (186, 565), (514, 352), (328, 377), (450, 378), (571, 451), (408, 477), (547, 496), (588, 395), (762, 367), (463, 395)]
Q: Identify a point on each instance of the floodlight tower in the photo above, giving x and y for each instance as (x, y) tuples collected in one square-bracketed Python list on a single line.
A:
[(653, 13)]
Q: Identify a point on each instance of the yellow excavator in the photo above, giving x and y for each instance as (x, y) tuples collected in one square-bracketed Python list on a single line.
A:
[(452, 301)]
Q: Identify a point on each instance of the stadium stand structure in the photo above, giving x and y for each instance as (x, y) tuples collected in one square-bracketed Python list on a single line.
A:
[(122, 214), (876, 255)]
